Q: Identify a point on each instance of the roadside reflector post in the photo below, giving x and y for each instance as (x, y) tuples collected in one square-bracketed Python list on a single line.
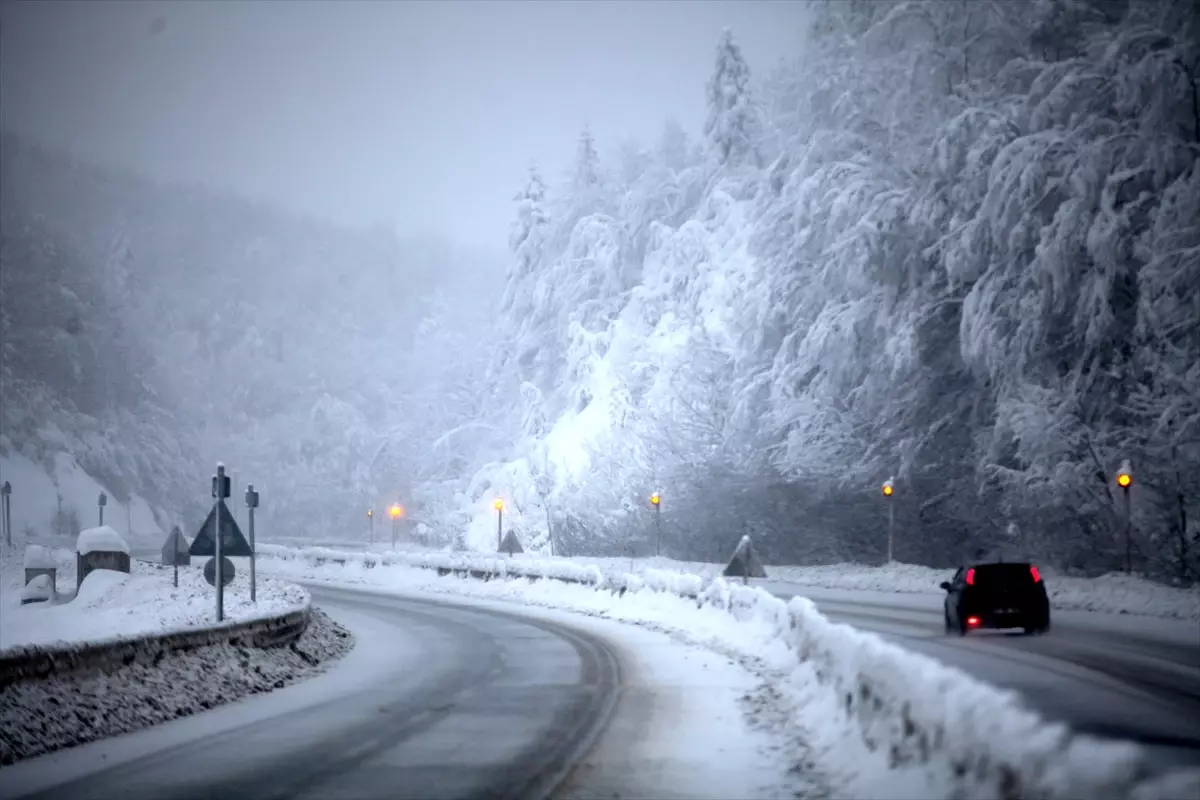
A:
[(251, 504)]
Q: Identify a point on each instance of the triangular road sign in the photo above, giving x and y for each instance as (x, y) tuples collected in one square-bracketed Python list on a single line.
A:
[(175, 550), (233, 543), (745, 562), (511, 544)]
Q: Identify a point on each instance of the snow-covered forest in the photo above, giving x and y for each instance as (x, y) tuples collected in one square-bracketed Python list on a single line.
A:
[(151, 330), (953, 243)]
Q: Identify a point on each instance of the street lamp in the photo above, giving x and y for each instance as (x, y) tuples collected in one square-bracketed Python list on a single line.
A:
[(395, 512), (1125, 481), (889, 489), (499, 506), (371, 522), (102, 501), (656, 501)]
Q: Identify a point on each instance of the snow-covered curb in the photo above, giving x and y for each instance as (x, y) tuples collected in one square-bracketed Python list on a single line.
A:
[(66, 710), (931, 730)]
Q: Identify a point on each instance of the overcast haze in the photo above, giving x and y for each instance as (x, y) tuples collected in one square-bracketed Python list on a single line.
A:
[(425, 113)]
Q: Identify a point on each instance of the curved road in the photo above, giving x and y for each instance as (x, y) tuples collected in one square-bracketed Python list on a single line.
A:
[(1106, 677), (474, 703)]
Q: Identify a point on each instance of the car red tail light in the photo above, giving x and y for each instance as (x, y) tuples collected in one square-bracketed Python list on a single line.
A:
[(972, 622), (1037, 576), (971, 577)]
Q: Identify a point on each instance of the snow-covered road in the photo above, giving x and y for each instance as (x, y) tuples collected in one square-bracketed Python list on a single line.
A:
[(1112, 676), (453, 700)]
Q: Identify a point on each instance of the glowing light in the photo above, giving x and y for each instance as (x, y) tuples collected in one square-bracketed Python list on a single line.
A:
[(655, 499), (498, 505)]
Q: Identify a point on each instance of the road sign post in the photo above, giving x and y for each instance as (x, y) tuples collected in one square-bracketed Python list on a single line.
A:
[(371, 524), (175, 552), (220, 490), (251, 504)]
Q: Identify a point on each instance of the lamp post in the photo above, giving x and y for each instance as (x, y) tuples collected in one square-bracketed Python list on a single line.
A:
[(395, 512), (499, 506), (101, 502), (889, 489), (371, 524), (1125, 481), (656, 501)]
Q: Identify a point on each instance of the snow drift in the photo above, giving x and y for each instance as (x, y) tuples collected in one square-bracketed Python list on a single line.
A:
[(935, 730)]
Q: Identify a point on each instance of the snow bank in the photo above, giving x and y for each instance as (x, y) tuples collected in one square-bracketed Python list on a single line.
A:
[(100, 540), (898, 723), (112, 605), (40, 716), (1109, 594)]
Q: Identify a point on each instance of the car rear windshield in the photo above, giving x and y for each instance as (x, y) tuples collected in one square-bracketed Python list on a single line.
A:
[(1003, 575)]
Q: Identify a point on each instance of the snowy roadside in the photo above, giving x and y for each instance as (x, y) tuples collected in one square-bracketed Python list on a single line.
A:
[(114, 605), (881, 720), (41, 716), (1109, 594)]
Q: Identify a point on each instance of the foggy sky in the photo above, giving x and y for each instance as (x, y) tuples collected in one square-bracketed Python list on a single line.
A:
[(423, 114)]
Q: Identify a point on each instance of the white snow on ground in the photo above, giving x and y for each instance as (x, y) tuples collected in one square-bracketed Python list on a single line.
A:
[(1108, 594), (889, 723), (114, 605), (41, 716), (100, 540)]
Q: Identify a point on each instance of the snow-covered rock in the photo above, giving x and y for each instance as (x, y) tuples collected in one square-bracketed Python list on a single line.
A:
[(103, 539)]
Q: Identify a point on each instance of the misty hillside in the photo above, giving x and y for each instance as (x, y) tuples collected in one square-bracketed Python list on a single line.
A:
[(953, 244), (153, 329), (956, 243)]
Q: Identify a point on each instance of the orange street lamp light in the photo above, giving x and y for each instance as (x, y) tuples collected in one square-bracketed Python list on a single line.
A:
[(655, 499), (395, 512), (1125, 475)]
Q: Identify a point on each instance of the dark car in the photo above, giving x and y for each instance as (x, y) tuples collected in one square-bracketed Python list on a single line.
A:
[(1000, 595)]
